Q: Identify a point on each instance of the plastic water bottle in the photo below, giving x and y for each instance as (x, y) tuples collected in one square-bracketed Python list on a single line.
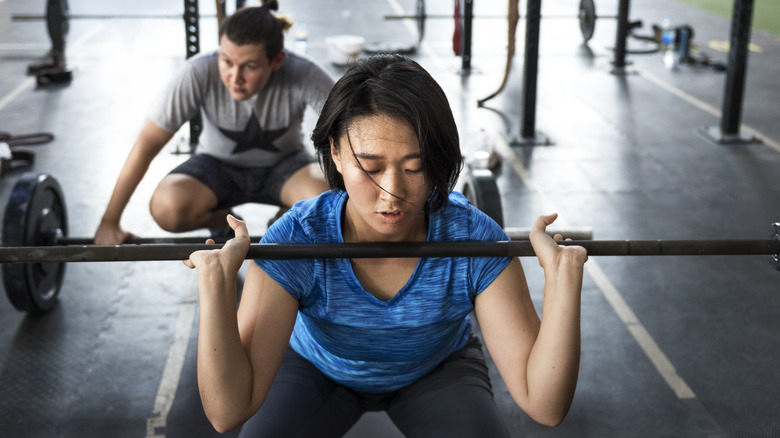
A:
[(301, 36), (671, 56)]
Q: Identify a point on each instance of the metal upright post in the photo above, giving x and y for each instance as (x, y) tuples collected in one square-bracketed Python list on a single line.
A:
[(529, 135), (192, 34), (731, 115), (467, 18), (619, 63)]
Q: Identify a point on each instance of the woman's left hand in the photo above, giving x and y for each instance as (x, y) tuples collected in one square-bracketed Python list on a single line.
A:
[(548, 252)]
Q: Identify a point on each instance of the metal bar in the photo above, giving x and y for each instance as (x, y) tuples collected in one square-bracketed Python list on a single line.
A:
[(514, 233), (70, 241), (489, 17), (86, 253), (438, 16), (39, 17)]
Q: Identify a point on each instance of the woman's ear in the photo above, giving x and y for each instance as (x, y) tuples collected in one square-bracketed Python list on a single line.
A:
[(334, 153)]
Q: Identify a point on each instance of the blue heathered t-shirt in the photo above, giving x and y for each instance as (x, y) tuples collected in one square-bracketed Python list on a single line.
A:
[(361, 341)]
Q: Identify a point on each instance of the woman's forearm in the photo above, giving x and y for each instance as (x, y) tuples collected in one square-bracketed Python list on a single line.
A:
[(223, 365), (553, 365)]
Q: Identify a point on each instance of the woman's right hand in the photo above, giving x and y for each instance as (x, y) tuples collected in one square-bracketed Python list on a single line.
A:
[(229, 258)]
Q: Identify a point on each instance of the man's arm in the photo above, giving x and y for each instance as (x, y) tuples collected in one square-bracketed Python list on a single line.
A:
[(150, 142)]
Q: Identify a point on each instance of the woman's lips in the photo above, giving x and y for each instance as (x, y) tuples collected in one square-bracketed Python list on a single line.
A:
[(391, 217)]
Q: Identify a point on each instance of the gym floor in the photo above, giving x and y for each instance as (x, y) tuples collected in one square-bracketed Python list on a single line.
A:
[(671, 346)]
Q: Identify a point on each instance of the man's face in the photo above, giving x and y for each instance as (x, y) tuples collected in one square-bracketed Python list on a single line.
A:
[(245, 69)]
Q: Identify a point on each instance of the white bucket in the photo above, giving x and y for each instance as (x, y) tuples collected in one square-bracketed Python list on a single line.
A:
[(344, 49)]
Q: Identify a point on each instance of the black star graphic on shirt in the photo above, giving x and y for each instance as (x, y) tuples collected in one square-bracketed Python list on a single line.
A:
[(254, 137)]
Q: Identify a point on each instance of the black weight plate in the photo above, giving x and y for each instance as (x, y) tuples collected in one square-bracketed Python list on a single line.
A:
[(587, 17), (481, 190), (35, 210)]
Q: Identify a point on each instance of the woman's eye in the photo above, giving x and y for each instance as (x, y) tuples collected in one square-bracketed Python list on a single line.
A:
[(372, 172), (414, 170)]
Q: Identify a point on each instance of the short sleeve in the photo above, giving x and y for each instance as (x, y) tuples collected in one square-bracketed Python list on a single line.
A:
[(483, 270), (296, 275), (317, 86), (180, 101)]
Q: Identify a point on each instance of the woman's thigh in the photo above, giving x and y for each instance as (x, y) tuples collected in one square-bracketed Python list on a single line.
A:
[(303, 402), (454, 400)]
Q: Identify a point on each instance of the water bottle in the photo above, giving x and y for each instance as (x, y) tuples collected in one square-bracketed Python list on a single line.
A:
[(668, 43), (301, 37)]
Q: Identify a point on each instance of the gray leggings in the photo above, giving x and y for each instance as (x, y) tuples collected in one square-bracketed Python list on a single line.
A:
[(454, 400)]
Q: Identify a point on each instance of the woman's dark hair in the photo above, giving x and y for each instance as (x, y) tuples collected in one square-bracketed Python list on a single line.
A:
[(257, 25), (397, 87)]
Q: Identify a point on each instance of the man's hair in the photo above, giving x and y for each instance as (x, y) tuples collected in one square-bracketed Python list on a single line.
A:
[(257, 25), (401, 89)]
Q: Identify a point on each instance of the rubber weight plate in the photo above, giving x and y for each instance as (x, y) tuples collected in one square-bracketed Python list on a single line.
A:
[(35, 216), (481, 190), (587, 17)]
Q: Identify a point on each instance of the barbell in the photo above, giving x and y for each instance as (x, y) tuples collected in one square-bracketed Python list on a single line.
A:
[(586, 17), (35, 247)]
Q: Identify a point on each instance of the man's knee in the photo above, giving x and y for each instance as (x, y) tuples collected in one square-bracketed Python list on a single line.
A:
[(179, 205), (168, 211), (307, 182)]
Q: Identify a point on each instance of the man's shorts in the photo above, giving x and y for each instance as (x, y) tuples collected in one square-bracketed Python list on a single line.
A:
[(235, 185)]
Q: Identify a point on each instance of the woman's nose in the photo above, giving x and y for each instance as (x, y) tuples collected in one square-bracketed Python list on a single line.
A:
[(392, 182)]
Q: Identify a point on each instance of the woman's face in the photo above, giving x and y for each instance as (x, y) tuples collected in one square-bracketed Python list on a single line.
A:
[(391, 207)]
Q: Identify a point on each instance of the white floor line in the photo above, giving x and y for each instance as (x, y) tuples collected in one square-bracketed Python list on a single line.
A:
[(169, 382), (707, 108), (651, 349), (29, 81)]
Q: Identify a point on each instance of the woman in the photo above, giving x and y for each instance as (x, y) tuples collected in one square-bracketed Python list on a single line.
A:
[(316, 343)]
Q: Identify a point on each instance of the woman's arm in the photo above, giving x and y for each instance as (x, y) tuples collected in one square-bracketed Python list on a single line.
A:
[(240, 352), (538, 360)]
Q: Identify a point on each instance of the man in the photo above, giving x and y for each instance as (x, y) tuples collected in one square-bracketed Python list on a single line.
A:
[(252, 95)]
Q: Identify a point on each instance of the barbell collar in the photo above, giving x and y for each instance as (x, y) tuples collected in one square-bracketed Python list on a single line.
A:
[(127, 253)]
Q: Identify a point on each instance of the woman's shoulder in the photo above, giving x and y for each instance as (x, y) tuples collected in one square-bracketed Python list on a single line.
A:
[(313, 220), (460, 220)]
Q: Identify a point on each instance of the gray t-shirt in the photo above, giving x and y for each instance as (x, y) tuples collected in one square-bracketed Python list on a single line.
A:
[(257, 132)]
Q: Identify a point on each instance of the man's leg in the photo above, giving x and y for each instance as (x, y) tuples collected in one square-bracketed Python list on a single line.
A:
[(182, 203), (307, 182)]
